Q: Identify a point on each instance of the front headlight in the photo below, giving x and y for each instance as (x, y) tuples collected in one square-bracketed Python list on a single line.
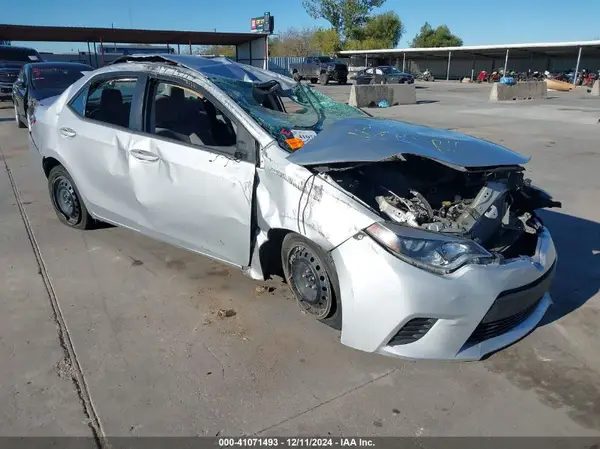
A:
[(428, 250)]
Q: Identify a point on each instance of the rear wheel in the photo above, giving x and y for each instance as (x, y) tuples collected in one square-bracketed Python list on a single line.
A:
[(18, 121), (66, 200), (312, 278), (314, 80)]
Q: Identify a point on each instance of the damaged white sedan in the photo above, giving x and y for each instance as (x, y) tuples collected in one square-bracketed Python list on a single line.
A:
[(415, 242)]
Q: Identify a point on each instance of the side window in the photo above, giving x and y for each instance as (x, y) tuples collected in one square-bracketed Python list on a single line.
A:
[(184, 115), (378, 71), (78, 103), (369, 71), (308, 60), (109, 101)]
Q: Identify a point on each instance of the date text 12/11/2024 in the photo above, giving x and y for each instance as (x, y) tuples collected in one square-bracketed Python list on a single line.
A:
[(295, 442)]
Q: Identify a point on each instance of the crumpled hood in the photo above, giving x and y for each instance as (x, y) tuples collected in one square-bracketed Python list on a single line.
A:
[(374, 140)]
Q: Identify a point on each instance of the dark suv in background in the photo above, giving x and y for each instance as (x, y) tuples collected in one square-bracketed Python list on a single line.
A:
[(11, 61)]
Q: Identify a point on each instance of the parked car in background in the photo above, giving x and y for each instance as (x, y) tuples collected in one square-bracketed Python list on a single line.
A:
[(383, 75), (42, 80), (320, 68), (11, 61), (414, 241)]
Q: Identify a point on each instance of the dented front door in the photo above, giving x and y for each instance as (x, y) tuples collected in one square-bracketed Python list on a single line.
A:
[(193, 197)]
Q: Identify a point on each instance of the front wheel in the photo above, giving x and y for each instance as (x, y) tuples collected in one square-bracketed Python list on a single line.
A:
[(296, 77), (18, 121), (66, 200), (314, 80), (312, 278), (324, 79)]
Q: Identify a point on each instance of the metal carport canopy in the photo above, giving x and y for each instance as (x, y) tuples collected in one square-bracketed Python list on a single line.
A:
[(547, 48), (122, 35)]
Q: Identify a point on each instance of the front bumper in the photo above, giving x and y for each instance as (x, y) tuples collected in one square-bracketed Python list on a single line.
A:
[(381, 294)]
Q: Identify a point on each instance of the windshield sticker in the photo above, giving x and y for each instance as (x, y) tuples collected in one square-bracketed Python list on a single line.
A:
[(305, 135), (32, 57)]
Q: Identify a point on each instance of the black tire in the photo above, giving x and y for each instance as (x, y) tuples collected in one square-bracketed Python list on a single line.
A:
[(324, 79), (18, 121), (296, 77), (343, 81), (67, 201), (320, 296), (314, 80)]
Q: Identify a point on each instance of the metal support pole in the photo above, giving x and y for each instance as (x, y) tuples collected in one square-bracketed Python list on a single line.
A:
[(89, 53), (506, 63), (472, 68), (190, 47), (366, 65), (102, 52), (266, 53), (178, 49), (95, 55), (403, 62), (448, 69), (577, 67)]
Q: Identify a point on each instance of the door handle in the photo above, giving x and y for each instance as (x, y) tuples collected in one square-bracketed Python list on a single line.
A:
[(67, 132), (144, 155)]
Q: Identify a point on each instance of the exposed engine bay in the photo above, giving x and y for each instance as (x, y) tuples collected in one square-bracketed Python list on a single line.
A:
[(494, 207)]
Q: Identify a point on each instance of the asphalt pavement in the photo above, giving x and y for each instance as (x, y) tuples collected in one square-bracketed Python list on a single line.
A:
[(109, 332)]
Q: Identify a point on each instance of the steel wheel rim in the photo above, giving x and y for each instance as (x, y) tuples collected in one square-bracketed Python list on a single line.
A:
[(65, 199), (309, 281)]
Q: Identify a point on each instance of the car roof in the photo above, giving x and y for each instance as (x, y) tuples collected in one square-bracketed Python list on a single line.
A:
[(205, 66), (60, 64)]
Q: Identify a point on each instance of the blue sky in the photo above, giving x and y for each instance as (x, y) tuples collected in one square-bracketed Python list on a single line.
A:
[(477, 22)]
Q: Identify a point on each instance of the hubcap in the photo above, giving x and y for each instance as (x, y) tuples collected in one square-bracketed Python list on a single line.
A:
[(310, 282), (65, 199)]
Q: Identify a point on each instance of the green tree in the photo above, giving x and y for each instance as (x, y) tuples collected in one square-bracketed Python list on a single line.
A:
[(292, 42), (343, 15), (440, 37), (379, 31), (327, 42)]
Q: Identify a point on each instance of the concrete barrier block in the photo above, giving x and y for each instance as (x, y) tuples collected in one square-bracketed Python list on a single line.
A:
[(404, 93), (596, 89), (368, 95), (521, 91)]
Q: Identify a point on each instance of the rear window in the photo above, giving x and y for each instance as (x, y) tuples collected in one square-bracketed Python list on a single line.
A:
[(19, 54), (55, 77)]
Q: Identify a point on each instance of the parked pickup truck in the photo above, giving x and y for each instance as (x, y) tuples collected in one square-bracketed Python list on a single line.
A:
[(320, 68)]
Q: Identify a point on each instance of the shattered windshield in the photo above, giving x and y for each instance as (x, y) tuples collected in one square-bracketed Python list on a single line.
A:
[(299, 111)]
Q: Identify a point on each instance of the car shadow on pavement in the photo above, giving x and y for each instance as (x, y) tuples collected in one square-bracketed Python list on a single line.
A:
[(6, 106), (7, 119), (577, 278)]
